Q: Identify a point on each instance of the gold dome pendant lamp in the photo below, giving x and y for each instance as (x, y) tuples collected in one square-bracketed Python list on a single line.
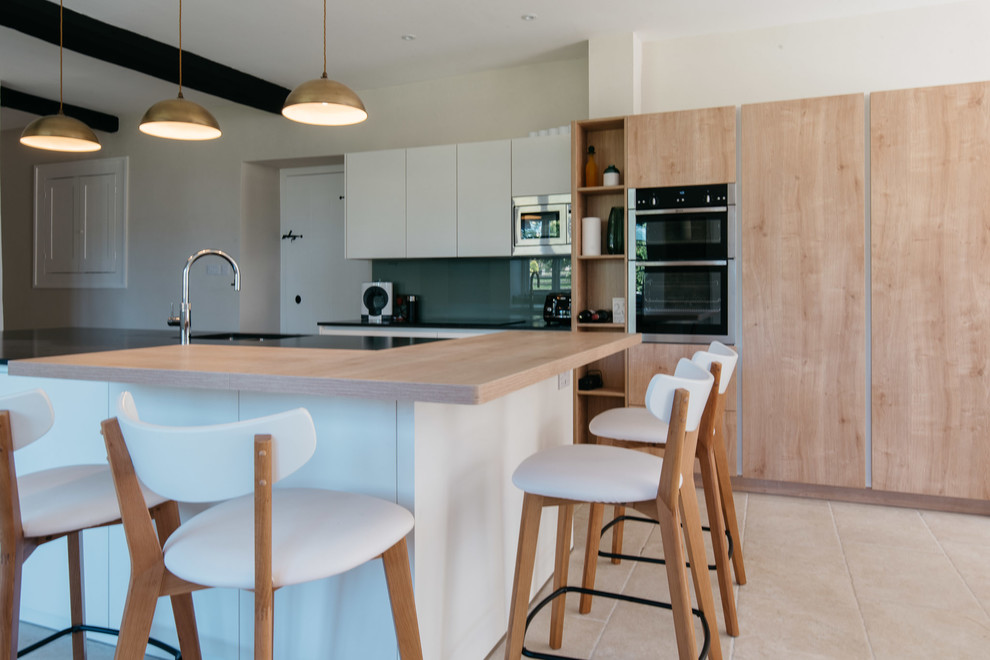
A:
[(322, 101), (59, 132), (179, 119)]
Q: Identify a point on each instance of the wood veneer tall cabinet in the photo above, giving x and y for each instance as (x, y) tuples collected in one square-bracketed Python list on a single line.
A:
[(930, 240), (596, 280), (803, 291)]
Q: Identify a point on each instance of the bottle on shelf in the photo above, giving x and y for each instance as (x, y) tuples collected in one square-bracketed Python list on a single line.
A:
[(613, 233), (591, 169)]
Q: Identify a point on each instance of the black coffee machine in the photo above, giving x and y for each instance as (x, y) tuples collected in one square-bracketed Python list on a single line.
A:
[(557, 309)]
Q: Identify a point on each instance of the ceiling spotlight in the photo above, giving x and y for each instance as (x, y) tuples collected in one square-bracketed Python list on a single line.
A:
[(529, 17), (409, 37)]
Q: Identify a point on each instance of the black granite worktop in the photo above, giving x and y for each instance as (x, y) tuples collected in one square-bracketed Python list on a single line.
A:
[(22, 344)]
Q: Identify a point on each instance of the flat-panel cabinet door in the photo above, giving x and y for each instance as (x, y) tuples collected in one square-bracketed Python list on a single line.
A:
[(484, 199), (431, 201), (804, 291), (375, 199), (682, 148), (541, 165), (930, 168)]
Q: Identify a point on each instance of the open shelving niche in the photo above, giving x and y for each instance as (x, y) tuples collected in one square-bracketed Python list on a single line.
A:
[(596, 280)]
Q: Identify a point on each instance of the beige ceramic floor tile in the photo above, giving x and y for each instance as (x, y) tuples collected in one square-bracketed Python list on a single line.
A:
[(958, 527), (900, 630), (640, 631), (866, 523), (801, 625), (789, 522), (973, 564), (906, 576)]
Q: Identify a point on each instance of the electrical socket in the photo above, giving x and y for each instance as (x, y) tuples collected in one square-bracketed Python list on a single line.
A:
[(563, 380)]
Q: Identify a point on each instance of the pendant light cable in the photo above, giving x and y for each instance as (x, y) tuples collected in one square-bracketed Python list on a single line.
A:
[(180, 49), (60, 40), (324, 38)]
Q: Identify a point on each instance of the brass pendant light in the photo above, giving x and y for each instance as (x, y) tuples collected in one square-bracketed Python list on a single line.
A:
[(59, 132), (179, 119), (323, 101)]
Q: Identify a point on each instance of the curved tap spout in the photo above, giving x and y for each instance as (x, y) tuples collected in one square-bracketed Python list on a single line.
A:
[(185, 311)]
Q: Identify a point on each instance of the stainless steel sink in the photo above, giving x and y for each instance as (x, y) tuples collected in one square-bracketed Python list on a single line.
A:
[(244, 336)]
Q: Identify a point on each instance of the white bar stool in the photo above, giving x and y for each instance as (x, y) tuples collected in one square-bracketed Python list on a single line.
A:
[(256, 538), (662, 488), (636, 428), (43, 506)]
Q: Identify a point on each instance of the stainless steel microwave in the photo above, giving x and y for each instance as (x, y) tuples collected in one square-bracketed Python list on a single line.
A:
[(541, 225)]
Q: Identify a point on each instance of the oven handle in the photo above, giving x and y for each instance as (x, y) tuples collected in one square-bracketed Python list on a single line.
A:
[(703, 209), (719, 262)]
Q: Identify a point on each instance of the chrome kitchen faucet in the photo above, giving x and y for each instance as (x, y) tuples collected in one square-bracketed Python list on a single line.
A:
[(184, 319)]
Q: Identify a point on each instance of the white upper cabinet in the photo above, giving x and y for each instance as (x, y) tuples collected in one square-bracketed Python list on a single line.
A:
[(80, 224), (375, 201), (484, 199), (449, 200), (541, 165), (431, 201)]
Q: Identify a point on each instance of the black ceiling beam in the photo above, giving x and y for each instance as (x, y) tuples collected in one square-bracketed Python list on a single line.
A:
[(88, 36), (37, 105)]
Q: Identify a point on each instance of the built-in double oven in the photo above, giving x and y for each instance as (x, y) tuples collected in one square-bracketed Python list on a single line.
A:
[(682, 266)]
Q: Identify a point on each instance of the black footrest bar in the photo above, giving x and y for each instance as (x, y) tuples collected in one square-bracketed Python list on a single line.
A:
[(97, 629), (618, 519), (608, 594)]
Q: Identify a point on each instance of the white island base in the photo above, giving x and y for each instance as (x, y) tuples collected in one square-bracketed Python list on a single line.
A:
[(449, 464)]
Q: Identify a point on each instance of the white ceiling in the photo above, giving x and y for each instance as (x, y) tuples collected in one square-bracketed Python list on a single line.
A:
[(281, 40)]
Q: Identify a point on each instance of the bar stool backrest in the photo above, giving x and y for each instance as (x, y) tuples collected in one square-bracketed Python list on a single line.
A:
[(688, 376), (215, 462), (718, 352), (31, 416)]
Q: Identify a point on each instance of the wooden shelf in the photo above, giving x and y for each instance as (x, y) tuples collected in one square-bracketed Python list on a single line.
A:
[(601, 326), (600, 257), (601, 190), (601, 391)]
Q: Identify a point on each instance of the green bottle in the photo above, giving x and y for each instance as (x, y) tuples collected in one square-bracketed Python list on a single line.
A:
[(613, 231)]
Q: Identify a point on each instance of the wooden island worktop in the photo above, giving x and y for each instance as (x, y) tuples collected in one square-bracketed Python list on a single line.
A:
[(389, 423), (472, 370)]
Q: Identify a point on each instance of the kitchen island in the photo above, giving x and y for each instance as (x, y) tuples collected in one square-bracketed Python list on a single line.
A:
[(390, 423)]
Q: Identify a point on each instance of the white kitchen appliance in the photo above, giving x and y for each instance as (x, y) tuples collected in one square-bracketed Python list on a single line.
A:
[(376, 302)]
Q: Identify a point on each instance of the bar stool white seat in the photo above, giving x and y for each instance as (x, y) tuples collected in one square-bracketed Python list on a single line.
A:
[(340, 531), (42, 506), (636, 427), (257, 537), (660, 487)]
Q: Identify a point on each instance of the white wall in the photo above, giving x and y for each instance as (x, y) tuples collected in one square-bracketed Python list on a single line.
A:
[(188, 196), (896, 50)]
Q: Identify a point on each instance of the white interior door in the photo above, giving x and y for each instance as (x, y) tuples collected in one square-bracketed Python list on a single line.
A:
[(318, 283)]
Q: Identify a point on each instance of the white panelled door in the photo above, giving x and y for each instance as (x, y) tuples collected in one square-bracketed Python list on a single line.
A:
[(318, 283)]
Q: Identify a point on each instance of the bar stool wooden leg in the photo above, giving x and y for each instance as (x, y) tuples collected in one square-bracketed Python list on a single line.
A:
[(680, 594), (12, 556), (398, 577), (529, 529), (699, 565), (565, 516), (77, 604), (716, 522), (729, 506), (139, 610), (166, 517), (617, 530), (595, 514)]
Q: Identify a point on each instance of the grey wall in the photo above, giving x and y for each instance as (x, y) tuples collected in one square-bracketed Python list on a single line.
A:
[(187, 196)]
